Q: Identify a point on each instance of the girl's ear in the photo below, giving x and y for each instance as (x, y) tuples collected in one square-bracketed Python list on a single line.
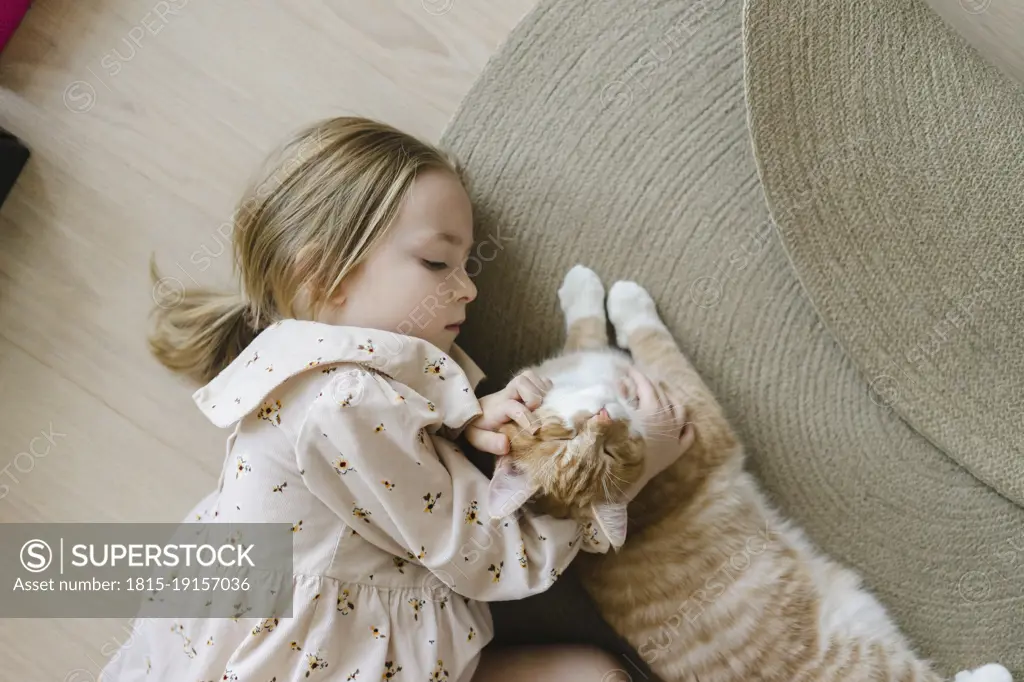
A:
[(611, 519), (307, 260), (509, 489)]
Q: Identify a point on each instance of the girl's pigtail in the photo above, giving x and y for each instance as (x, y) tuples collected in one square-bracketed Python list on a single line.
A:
[(198, 332)]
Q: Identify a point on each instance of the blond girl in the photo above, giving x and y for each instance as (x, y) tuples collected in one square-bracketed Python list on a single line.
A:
[(338, 370)]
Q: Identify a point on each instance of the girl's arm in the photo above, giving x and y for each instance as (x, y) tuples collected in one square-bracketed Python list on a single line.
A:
[(366, 454)]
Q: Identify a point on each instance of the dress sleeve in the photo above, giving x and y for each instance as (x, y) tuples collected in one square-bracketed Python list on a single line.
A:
[(367, 451)]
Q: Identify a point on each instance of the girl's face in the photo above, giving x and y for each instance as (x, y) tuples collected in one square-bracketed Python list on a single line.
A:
[(415, 282)]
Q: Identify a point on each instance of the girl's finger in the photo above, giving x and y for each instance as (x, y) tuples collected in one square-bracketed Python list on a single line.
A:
[(517, 412), (687, 437), (540, 385), (627, 389), (505, 411), (487, 441), (672, 402), (645, 393), (660, 413), (527, 388), (528, 375), (664, 417)]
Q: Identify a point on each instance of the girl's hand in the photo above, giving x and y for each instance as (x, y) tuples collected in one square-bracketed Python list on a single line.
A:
[(663, 417), (513, 403)]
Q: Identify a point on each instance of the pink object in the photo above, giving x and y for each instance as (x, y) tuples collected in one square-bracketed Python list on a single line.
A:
[(11, 13)]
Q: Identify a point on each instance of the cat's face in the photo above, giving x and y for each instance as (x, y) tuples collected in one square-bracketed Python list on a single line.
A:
[(574, 465)]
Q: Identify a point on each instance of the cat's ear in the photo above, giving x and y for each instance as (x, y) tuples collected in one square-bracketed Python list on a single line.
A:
[(611, 519), (509, 489)]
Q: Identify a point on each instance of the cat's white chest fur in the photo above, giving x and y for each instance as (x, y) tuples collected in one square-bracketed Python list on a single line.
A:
[(587, 381)]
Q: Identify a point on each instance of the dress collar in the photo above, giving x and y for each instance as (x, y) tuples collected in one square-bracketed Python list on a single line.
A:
[(290, 347)]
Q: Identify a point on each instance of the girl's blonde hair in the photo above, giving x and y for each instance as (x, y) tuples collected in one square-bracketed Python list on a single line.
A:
[(320, 205)]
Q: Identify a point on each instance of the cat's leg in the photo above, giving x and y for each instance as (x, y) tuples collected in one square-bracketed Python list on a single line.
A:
[(639, 328), (582, 299), (655, 591)]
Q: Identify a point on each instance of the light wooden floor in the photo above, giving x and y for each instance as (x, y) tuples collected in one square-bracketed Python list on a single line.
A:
[(145, 118)]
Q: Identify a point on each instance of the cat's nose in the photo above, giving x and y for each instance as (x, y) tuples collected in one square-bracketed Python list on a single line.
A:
[(617, 411), (600, 417)]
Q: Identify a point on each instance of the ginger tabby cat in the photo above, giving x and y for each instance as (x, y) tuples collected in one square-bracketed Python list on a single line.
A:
[(712, 584)]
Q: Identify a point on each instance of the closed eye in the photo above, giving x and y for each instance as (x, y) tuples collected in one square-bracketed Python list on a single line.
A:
[(613, 455), (434, 265)]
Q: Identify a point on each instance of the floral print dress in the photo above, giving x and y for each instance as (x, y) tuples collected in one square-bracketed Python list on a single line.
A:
[(346, 434)]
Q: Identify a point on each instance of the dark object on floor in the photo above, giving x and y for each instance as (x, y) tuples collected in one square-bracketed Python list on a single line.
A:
[(13, 155)]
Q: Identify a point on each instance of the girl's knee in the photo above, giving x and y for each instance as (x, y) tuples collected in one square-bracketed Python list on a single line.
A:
[(550, 663)]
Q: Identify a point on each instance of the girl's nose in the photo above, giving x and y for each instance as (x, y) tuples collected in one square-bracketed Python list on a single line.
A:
[(463, 289)]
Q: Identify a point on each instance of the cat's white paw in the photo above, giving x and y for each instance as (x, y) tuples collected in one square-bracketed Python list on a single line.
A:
[(581, 294), (630, 307), (992, 672)]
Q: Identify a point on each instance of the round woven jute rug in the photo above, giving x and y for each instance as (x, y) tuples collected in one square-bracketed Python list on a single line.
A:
[(615, 135), (892, 157)]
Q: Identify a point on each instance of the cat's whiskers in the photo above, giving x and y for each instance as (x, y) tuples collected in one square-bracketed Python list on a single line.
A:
[(615, 477), (659, 412), (618, 487)]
